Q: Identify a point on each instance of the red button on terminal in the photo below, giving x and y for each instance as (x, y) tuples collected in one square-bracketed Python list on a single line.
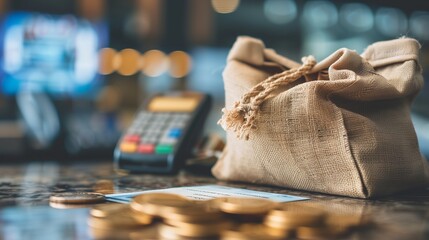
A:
[(131, 138), (146, 148)]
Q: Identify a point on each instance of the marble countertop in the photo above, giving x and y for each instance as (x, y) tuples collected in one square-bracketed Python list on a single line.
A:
[(25, 211)]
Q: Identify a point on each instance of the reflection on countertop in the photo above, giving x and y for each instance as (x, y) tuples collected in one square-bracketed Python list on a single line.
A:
[(25, 211)]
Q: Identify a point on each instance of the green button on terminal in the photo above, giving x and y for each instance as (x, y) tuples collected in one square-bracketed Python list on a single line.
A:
[(164, 149)]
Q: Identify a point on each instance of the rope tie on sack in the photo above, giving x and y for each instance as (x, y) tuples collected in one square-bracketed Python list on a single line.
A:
[(242, 117)]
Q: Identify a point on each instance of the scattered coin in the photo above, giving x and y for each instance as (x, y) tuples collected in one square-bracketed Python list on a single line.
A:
[(158, 204), (135, 233), (107, 210), (255, 232), (114, 222), (170, 233), (245, 205), (121, 211), (196, 214), (117, 215), (113, 233), (196, 230), (148, 232), (142, 218), (291, 215), (77, 198)]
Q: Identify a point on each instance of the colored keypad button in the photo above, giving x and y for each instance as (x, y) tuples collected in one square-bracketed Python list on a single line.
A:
[(163, 149), (146, 148), (132, 138), (128, 147), (154, 133), (175, 132)]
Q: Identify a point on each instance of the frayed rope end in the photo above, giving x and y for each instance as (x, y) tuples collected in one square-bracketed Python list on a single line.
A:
[(235, 120)]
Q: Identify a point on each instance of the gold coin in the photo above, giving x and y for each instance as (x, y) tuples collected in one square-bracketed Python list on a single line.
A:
[(195, 214), (158, 204), (274, 222), (109, 233), (148, 232), (77, 198), (107, 210), (289, 215), (290, 223), (115, 210), (142, 218), (254, 232), (212, 204), (253, 228), (137, 233), (167, 232), (197, 230), (112, 222), (236, 205), (117, 215)]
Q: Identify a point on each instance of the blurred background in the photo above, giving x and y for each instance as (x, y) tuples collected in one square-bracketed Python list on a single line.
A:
[(73, 72)]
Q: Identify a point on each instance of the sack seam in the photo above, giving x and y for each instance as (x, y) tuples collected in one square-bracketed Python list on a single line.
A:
[(383, 62)]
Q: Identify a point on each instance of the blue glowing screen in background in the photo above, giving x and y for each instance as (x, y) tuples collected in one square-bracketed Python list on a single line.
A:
[(50, 53)]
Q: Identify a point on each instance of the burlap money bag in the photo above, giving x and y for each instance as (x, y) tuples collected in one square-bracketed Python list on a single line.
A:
[(341, 126)]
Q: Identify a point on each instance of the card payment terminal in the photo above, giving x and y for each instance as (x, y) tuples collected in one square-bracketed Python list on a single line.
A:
[(163, 134)]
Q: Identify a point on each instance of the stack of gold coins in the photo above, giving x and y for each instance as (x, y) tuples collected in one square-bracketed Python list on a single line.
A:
[(181, 217), (117, 215), (108, 219), (170, 216)]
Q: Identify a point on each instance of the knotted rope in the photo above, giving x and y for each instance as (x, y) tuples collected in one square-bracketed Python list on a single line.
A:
[(242, 117)]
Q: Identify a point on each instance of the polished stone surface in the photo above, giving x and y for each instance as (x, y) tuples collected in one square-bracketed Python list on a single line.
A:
[(26, 213)]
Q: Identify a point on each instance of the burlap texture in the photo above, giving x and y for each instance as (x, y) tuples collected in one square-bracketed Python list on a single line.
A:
[(347, 132)]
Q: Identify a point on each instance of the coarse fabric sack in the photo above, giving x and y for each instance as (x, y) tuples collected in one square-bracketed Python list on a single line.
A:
[(341, 126)]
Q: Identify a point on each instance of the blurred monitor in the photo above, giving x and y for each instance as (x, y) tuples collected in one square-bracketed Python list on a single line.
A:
[(57, 54)]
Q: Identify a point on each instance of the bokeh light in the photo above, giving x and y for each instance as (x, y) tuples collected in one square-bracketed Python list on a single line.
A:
[(225, 6), (419, 22), (391, 22), (156, 63), (357, 17), (180, 64), (280, 11), (321, 14), (107, 61), (130, 62)]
